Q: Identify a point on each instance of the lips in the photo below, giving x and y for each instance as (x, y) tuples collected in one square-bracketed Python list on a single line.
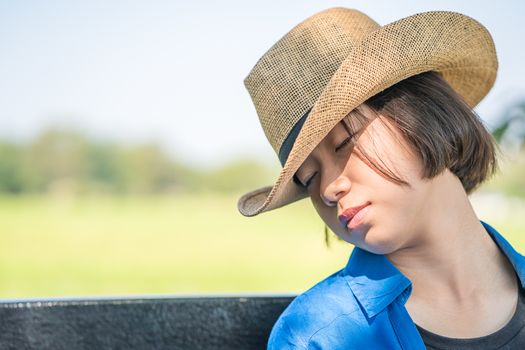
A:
[(349, 213)]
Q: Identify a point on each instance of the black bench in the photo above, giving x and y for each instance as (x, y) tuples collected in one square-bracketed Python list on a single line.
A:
[(171, 322)]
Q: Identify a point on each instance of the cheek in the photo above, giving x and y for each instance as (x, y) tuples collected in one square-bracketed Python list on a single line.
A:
[(394, 221), (396, 211)]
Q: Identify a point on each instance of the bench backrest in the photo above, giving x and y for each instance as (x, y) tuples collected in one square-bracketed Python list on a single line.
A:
[(192, 322)]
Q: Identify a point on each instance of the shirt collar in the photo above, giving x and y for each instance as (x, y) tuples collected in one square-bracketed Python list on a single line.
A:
[(376, 282), (516, 259)]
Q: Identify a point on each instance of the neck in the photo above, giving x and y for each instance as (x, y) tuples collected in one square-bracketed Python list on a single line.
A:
[(453, 254)]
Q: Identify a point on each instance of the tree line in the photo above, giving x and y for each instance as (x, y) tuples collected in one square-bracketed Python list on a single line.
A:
[(61, 160)]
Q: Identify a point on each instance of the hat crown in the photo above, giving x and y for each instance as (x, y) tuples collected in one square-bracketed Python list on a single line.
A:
[(290, 76)]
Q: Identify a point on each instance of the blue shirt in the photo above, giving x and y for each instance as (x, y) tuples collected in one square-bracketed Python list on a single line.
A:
[(361, 306)]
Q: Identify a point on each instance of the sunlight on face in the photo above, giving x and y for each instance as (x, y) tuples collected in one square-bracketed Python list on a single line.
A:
[(339, 177)]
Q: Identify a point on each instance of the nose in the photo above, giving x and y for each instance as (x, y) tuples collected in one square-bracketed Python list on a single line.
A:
[(335, 190)]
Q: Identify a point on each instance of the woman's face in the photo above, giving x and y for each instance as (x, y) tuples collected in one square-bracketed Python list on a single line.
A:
[(343, 179)]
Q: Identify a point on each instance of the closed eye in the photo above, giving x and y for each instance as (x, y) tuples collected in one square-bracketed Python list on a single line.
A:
[(341, 145), (345, 142)]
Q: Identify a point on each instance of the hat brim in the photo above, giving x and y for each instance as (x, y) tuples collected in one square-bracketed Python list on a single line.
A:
[(455, 45)]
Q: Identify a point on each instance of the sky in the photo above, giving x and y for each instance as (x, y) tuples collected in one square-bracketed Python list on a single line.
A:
[(171, 72)]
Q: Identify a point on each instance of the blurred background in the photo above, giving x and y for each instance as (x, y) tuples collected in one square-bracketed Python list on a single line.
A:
[(126, 138)]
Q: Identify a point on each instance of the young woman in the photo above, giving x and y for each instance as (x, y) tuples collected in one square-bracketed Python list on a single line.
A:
[(375, 125)]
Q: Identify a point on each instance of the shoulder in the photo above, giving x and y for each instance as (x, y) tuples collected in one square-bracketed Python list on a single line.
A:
[(327, 307)]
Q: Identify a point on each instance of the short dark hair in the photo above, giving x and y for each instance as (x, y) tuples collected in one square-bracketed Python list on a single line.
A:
[(439, 127)]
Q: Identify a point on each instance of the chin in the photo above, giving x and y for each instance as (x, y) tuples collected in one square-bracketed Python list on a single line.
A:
[(380, 250), (379, 243)]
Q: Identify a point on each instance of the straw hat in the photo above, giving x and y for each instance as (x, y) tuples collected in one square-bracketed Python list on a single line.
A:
[(335, 60)]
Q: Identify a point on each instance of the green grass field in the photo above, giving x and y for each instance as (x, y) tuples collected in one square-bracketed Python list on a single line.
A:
[(54, 247)]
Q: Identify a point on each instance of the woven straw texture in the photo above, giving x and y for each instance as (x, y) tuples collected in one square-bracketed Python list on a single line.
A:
[(336, 59)]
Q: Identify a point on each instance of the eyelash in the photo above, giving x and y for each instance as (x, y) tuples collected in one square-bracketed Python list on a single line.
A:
[(343, 144)]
